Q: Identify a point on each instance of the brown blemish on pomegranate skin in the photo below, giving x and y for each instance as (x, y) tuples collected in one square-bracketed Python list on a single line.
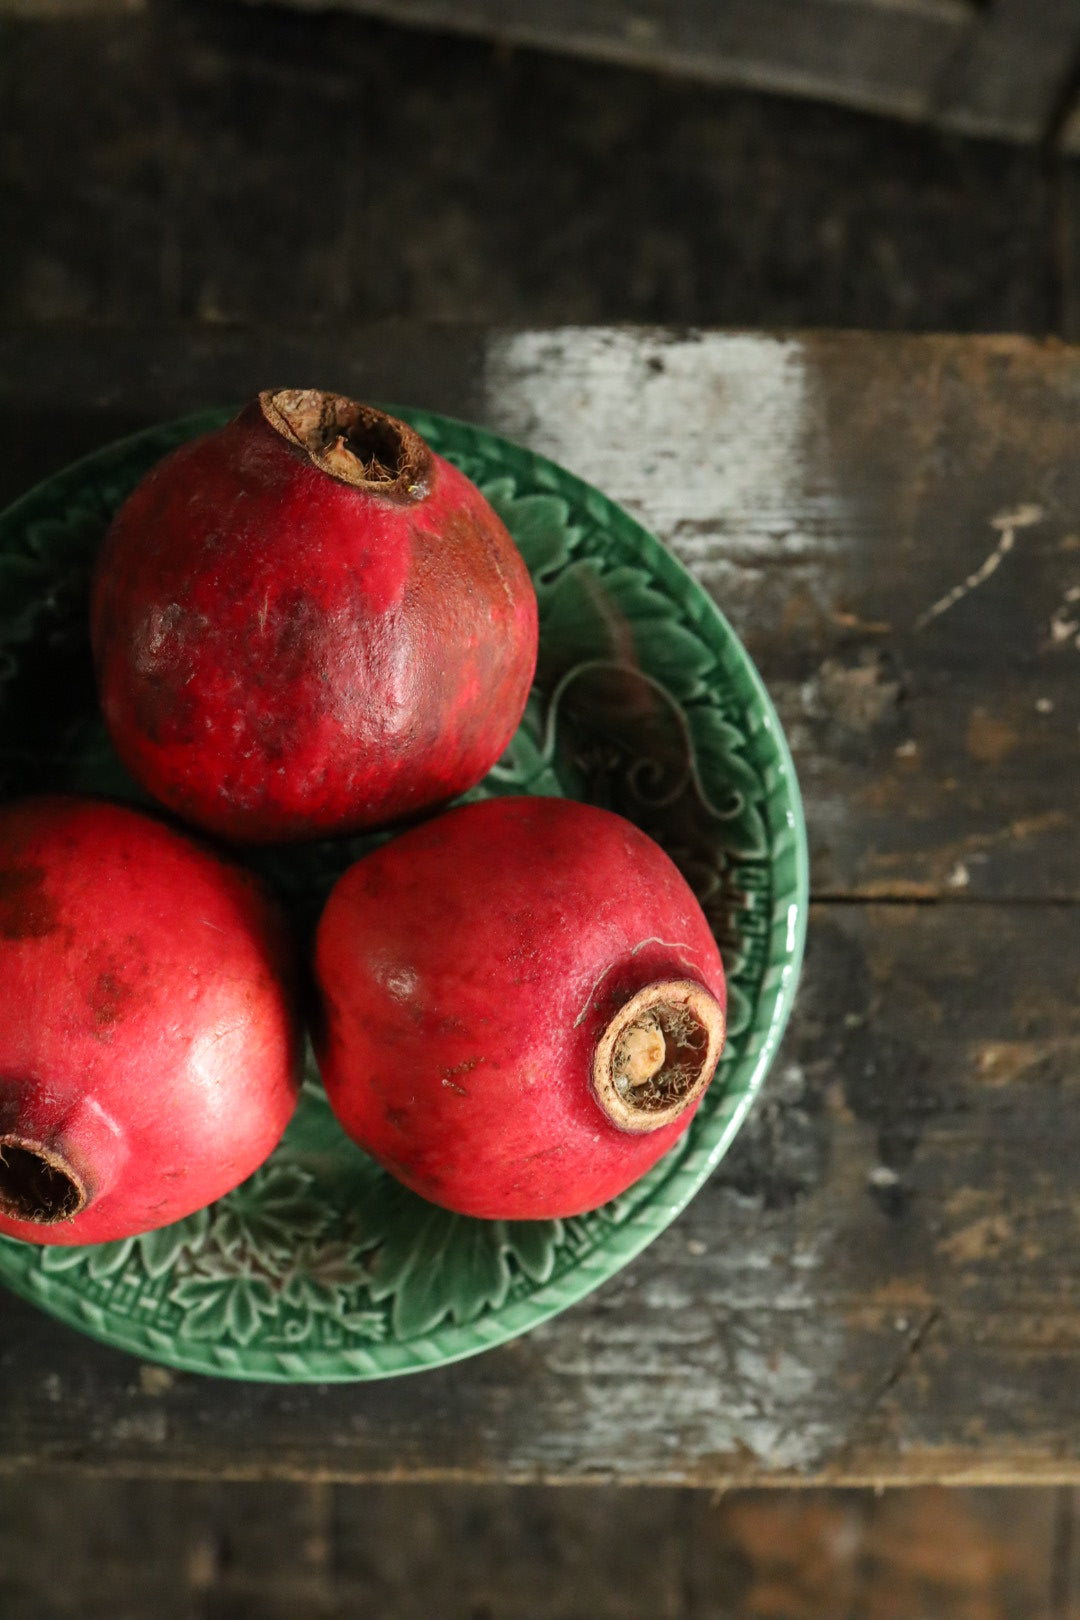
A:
[(109, 1000), (163, 650), (299, 631), (26, 911), (453, 1084)]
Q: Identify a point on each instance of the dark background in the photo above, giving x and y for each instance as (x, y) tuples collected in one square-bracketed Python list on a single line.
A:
[(202, 161), (209, 164)]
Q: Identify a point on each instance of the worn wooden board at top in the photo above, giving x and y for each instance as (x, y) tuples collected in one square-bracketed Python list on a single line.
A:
[(986, 67), (834, 494), (885, 56), (880, 1284)]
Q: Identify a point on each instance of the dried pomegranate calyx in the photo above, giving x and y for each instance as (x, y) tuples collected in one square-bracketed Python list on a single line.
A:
[(37, 1183), (658, 1054), (354, 443)]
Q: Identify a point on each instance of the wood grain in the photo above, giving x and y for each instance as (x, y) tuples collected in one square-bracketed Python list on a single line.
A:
[(882, 54), (173, 1550), (996, 68), (983, 67), (879, 1285), (200, 137)]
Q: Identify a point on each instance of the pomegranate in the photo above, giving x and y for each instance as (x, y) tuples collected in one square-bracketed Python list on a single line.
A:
[(307, 623), (149, 1052), (521, 1006)]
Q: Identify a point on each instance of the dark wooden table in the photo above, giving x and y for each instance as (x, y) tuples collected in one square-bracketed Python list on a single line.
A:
[(987, 67), (882, 1282)]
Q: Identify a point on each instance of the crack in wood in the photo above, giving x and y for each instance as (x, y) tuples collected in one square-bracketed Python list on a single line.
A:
[(911, 1349)]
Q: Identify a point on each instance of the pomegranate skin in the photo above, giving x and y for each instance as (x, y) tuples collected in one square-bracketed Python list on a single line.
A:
[(467, 971), (283, 653), (149, 1048)]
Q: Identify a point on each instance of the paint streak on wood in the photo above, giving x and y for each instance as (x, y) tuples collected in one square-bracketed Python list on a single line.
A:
[(1007, 523)]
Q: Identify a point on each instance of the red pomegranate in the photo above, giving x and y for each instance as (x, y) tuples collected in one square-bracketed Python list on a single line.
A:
[(308, 623), (522, 1005), (149, 1052)]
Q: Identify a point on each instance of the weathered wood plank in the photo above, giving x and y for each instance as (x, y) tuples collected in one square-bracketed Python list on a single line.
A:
[(1011, 70), (996, 69), (174, 1549), (199, 172), (983, 1555), (833, 493), (886, 55), (878, 1286)]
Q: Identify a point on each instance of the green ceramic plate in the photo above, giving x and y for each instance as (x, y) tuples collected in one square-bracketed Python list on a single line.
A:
[(320, 1266)]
